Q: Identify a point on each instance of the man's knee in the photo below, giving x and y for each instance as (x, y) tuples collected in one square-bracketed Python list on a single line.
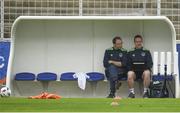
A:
[(146, 74), (131, 75), (113, 78)]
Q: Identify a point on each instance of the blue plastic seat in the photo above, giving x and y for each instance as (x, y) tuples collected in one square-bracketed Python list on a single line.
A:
[(95, 76), (162, 77), (25, 76), (46, 76), (68, 76)]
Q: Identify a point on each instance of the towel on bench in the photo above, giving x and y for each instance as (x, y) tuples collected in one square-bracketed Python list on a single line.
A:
[(81, 79)]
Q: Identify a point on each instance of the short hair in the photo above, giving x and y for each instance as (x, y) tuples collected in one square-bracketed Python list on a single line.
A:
[(138, 36), (116, 38)]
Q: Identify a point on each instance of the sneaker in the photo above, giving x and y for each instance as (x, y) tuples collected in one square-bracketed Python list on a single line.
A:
[(118, 85), (146, 95), (131, 95), (111, 95)]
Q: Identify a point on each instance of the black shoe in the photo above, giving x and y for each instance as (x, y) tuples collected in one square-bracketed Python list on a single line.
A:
[(146, 95), (111, 95), (118, 85), (131, 95)]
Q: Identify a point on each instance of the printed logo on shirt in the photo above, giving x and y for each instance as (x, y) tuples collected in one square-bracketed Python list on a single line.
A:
[(143, 54), (120, 55)]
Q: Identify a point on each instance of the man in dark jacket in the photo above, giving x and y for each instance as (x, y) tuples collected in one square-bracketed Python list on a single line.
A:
[(115, 61), (139, 66)]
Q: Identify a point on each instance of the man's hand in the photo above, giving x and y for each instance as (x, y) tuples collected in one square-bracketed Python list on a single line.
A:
[(110, 62), (119, 64)]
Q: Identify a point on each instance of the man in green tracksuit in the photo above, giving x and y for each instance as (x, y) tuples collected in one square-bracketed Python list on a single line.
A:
[(115, 62), (136, 57)]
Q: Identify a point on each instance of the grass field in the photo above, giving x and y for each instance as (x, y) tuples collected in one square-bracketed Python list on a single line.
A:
[(88, 105)]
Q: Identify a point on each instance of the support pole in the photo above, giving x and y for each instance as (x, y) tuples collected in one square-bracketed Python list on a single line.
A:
[(2, 19), (80, 7), (158, 7)]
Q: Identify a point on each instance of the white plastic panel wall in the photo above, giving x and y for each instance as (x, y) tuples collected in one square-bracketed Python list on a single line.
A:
[(157, 36), (57, 46)]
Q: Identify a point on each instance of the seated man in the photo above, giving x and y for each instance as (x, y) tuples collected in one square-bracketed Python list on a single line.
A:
[(115, 59), (139, 66)]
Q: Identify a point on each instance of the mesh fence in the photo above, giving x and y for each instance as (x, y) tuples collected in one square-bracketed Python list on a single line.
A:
[(15, 8)]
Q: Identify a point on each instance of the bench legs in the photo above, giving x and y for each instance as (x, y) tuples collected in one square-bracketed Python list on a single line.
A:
[(93, 87), (45, 85)]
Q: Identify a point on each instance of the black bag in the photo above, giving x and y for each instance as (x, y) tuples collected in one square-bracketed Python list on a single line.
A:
[(158, 90)]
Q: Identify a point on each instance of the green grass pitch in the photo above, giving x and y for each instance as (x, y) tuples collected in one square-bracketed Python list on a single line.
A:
[(88, 105)]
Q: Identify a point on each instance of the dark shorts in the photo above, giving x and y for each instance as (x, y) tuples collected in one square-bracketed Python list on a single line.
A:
[(139, 74)]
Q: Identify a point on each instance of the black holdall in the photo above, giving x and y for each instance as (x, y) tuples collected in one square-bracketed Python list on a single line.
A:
[(157, 90)]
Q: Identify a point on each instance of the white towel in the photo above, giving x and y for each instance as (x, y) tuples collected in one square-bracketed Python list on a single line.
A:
[(81, 79)]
